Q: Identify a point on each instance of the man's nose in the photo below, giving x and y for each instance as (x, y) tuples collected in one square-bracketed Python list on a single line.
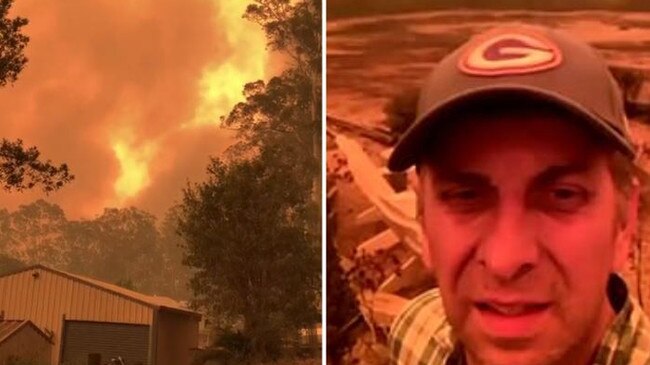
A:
[(509, 248)]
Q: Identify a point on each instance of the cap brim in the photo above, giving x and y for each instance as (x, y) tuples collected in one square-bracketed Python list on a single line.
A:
[(413, 143)]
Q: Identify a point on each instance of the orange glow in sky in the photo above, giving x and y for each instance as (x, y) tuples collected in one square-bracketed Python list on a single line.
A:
[(219, 89), (134, 167), (221, 82)]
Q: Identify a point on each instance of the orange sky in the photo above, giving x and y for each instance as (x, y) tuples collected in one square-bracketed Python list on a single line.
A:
[(129, 94)]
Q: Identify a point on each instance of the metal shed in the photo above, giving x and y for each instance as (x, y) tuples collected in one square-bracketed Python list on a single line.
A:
[(90, 319), (23, 340)]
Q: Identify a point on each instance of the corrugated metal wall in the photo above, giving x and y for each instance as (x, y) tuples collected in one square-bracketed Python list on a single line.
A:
[(131, 342), (46, 298), (178, 335)]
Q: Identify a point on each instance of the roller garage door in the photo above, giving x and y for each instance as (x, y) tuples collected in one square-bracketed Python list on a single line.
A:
[(81, 338)]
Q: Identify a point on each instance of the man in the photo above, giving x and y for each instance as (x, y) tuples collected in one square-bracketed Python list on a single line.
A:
[(528, 199)]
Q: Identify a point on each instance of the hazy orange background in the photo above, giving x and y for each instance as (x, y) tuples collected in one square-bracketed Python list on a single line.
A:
[(129, 94)]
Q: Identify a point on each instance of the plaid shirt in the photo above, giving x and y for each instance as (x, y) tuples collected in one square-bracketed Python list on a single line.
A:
[(421, 334)]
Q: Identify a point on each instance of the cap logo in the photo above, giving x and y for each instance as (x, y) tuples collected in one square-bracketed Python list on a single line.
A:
[(510, 54)]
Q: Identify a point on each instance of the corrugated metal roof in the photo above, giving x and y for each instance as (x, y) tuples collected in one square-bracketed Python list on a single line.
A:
[(153, 300), (9, 327), (158, 302)]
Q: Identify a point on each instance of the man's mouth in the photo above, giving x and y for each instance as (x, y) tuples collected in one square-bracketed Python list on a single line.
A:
[(511, 309), (514, 320)]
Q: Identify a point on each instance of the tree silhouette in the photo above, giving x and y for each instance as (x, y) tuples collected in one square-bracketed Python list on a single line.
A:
[(21, 167)]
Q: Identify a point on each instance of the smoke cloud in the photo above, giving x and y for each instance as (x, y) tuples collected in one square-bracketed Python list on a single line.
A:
[(129, 95)]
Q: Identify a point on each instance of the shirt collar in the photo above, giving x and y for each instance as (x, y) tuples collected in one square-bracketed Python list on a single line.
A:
[(618, 342)]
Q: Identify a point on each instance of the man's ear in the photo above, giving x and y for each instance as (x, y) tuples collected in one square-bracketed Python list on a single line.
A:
[(627, 231)]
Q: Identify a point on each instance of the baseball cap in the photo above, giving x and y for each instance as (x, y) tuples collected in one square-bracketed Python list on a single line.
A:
[(534, 62)]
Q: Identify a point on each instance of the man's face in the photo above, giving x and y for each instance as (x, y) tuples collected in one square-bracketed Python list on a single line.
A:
[(520, 221)]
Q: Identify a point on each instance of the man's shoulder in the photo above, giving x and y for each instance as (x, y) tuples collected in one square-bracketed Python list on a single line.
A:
[(421, 332)]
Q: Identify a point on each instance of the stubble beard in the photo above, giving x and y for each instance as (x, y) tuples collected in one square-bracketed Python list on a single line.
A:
[(580, 350)]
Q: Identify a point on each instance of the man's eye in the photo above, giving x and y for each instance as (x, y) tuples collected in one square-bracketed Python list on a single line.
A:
[(565, 194), (461, 194), (564, 198), (464, 200)]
